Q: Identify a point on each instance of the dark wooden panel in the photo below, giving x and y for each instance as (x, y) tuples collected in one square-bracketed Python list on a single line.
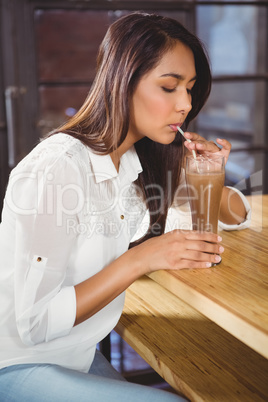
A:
[(67, 42)]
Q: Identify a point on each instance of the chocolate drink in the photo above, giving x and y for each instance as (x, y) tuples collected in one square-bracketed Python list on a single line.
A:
[(204, 191)]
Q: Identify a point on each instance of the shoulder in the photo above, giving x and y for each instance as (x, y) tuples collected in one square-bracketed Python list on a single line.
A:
[(57, 150), (59, 145), (58, 161)]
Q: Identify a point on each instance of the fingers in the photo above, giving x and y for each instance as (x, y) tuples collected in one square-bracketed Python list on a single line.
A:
[(197, 260), (201, 145), (193, 136), (179, 249), (200, 249), (226, 145), (189, 264), (207, 146), (226, 148), (205, 247), (203, 256), (196, 235), (197, 249)]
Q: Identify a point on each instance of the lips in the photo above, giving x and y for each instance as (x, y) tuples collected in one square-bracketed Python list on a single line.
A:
[(174, 126)]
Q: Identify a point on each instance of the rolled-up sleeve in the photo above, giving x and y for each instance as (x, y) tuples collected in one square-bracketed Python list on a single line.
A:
[(60, 323), (44, 196)]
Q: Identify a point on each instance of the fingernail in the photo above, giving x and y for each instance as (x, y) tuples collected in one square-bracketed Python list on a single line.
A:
[(217, 258), (208, 264), (221, 249), (219, 238)]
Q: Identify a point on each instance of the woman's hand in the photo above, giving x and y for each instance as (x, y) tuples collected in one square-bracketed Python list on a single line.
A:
[(174, 250), (178, 249), (201, 145)]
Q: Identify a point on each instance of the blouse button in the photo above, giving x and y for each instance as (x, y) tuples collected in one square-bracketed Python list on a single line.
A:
[(122, 217), (39, 259)]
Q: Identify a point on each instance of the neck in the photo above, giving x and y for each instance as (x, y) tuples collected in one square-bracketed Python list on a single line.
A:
[(116, 159), (124, 147)]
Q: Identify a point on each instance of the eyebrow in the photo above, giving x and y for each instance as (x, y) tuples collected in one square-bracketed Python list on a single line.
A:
[(178, 76)]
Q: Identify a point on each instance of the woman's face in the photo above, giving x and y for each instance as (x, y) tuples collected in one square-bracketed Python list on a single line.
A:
[(162, 99)]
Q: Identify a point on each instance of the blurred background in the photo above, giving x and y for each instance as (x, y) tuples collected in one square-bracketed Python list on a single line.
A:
[(48, 50)]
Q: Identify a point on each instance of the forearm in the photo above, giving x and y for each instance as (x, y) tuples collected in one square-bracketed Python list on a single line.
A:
[(173, 250), (232, 209), (96, 292)]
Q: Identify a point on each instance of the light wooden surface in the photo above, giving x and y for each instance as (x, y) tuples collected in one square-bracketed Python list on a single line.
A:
[(195, 356), (171, 321), (234, 294)]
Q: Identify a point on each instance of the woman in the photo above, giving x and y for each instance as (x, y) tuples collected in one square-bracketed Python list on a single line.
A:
[(74, 203)]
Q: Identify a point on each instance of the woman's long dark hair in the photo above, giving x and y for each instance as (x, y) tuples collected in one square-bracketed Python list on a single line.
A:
[(133, 46)]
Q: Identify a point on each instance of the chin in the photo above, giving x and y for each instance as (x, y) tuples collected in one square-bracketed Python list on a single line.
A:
[(165, 140)]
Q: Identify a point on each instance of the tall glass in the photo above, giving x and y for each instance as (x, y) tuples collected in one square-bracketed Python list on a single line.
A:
[(205, 179)]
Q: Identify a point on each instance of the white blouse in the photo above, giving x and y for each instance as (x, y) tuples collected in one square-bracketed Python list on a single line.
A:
[(67, 214)]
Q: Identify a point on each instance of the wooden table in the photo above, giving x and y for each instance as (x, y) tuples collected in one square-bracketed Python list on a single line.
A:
[(234, 295), (206, 331)]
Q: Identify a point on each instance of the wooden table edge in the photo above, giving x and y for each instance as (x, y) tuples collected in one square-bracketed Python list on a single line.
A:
[(242, 330)]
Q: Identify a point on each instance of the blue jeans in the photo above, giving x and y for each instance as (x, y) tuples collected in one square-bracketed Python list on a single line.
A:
[(52, 383)]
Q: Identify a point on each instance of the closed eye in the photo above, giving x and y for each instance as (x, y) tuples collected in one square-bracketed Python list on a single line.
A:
[(168, 89)]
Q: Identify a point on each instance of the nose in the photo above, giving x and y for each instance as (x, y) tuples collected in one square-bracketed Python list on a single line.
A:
[(184, 102)]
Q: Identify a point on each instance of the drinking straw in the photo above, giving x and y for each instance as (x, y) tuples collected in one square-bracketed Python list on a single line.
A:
[(193, 151), (187, 139)]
